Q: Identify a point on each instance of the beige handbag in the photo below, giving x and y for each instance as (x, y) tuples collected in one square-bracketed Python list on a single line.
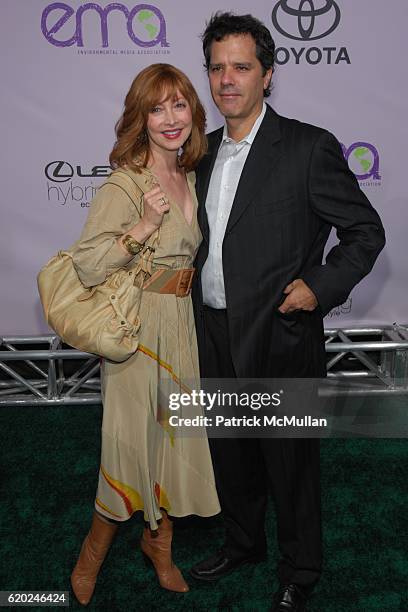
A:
[(103, 319)]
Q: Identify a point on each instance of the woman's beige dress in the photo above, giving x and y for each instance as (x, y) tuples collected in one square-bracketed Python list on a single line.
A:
[(145, 465)]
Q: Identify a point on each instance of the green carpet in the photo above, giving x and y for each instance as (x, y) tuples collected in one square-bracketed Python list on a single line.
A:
[(48, 474)]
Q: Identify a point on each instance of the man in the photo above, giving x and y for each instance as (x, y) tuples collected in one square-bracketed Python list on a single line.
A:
[(269, 190)]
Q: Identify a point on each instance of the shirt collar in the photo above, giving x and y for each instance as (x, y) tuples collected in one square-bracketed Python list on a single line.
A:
[(249, 139)]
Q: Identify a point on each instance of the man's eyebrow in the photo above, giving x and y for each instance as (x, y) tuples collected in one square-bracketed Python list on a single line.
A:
[(237, 63)]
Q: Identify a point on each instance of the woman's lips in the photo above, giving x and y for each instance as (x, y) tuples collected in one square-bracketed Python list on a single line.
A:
[(172, 134)]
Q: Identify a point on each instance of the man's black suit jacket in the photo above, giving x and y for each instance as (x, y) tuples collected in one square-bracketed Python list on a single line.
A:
[(294, 187)]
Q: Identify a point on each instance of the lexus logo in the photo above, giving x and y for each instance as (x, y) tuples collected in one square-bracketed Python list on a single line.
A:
[(59, 171), (62, 171), (307, 21)]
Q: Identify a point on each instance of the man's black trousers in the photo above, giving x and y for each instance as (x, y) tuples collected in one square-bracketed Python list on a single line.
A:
[(246, 468)]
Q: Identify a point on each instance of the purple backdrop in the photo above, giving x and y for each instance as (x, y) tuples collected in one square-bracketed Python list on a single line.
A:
[(67, 66)]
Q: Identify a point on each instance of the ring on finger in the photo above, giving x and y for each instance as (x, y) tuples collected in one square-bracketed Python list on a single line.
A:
[(163, 201)]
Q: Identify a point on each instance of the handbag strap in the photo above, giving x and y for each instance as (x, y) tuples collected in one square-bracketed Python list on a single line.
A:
[(143, 183)]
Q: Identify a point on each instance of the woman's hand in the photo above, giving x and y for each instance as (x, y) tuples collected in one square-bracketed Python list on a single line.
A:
[(155, 204)]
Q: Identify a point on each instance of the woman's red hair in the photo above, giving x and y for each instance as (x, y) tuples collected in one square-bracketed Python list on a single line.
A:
[(153, 85)]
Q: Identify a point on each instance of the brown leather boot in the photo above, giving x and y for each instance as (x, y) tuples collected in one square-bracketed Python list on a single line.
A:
[(91, 557), (156, 545)]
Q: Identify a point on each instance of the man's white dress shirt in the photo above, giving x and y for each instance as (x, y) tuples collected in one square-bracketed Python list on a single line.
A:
[(223, 185)]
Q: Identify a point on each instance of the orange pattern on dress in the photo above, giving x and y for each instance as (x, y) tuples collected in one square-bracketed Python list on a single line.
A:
[(163, 364), (101, 505), (163, 418), (131, 498)]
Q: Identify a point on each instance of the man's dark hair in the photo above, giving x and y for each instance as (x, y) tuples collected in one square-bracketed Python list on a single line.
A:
[(225, 24)]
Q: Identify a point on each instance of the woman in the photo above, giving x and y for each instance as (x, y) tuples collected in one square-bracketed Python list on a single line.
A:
[(144, 465)]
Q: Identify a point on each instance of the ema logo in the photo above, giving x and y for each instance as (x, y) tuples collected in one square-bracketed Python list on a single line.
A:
[(308, 20), (364, 161), (146, 18)]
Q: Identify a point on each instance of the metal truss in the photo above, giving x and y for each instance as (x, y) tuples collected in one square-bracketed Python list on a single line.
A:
[(375, 360), (40, 370), (47, 374)]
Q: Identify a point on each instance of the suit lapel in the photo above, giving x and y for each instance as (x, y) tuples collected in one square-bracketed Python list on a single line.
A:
[(263, 155), (204, 175)]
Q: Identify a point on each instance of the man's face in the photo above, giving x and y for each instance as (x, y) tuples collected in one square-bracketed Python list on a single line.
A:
[(236, 77)]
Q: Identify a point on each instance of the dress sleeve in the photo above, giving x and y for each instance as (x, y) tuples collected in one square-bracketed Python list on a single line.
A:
[(113, 211)]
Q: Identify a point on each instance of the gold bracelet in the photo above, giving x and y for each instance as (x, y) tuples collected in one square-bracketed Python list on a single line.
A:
[(132, 246)]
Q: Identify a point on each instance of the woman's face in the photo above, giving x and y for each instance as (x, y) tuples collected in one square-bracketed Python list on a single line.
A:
[(169, 123)]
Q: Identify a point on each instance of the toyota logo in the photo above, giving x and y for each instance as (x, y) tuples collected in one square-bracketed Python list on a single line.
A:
[(307, 21)]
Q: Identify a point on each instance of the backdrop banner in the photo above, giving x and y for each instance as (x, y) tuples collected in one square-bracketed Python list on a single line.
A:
[(68, 65)]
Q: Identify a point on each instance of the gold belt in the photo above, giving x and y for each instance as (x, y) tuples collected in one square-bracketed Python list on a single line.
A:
[(177, 282)]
